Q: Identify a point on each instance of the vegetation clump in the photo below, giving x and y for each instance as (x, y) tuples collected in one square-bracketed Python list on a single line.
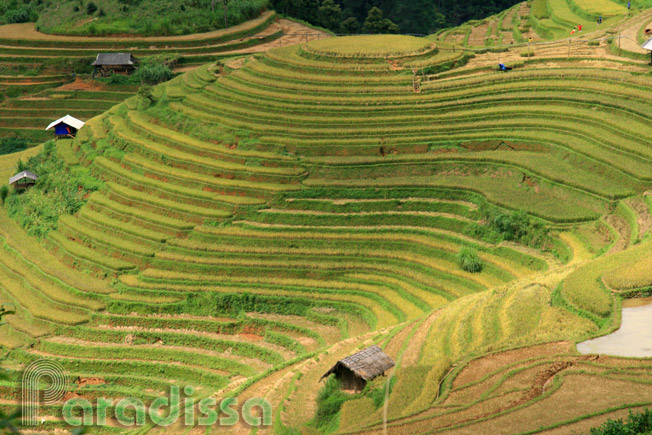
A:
[(469, 261), (636, 423), (136, 17), (10, 145), (59, 190), (514, 226)]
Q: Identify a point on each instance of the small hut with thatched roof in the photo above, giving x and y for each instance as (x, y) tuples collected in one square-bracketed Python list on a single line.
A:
[(354, 371), (23, 180)]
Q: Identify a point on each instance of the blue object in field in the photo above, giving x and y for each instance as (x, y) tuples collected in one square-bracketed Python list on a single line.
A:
[(629, 5), (501, 66), (62, 129)]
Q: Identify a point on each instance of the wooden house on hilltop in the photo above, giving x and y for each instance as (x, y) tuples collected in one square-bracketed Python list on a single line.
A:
[(354, 371), (23, 180), (114, 63), (66, 126)]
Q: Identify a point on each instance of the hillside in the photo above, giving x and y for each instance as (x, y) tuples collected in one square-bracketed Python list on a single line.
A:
[(130, 17), (260, 217)]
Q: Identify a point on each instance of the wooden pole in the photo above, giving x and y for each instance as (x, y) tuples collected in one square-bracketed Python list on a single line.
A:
[(569, 46)]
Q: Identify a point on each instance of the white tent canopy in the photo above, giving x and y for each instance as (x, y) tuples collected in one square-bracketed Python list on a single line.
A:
[(648, 44), (69, 120)]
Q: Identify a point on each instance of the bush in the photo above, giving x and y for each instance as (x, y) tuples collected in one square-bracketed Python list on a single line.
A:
[(514, 226), (58, 191), (91, 8), (469, 261), (4, 191), (640, 423), (329, 403), (22, 15), (153, 74), (10, 145), (156, 69)]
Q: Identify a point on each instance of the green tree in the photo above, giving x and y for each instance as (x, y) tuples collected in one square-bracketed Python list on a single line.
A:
[(225, 8), (350, 25), (375, 23), (330, 15), (146, 92), (91, 8)]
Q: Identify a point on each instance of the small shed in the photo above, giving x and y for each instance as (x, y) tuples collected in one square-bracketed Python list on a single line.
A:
[(648, 46), (109, 63), (354, 371), (66, 126), (23, 180)]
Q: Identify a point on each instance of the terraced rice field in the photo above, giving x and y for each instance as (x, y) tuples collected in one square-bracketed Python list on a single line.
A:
[(266, 217), (544, 20), (38, 65)]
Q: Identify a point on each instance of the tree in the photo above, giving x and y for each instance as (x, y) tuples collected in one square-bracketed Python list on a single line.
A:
[(350, 25), (375, 23), (225, 7), (91, 8), (146, 92), (330, 14)]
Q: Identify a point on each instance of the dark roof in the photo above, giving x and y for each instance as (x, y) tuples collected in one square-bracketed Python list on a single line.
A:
[(114, 59), (24, 174), (367, 364)]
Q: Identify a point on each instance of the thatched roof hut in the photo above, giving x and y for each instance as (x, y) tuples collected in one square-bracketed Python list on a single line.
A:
[(115, 62), (354, 371)]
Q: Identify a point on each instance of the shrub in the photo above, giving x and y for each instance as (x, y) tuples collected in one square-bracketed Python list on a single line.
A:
[(91, 8), (153, 74), (640, 423), (4, 191), (329, 403), (156, 69), (10, 145), (514, 226), (22, 15), (469, 261), (58, 191)]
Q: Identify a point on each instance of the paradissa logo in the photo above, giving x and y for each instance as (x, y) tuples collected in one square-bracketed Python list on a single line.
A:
[(45, 382), (165, 411)]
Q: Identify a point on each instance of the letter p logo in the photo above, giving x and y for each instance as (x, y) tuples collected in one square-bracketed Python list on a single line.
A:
[(34, 376)]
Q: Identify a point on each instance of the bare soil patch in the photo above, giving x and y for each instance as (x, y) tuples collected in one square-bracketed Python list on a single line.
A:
[(82, 85), (81, 381), (479, 368)]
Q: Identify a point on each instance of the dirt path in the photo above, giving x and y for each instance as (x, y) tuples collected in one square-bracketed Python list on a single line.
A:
[(629, 32), (595, 57)]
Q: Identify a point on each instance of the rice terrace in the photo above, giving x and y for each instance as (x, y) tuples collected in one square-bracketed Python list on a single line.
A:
[(273, 217)]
